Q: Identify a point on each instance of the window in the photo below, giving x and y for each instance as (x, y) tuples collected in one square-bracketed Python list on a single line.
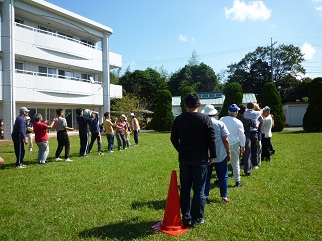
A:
[(46, 29), (42, 71), (87, 43), (61, 74), (17, 20), (19, 67), (86, 77), (69, 74)]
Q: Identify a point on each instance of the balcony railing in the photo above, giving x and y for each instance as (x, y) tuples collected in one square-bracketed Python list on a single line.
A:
[(56, 35), (55, 76)]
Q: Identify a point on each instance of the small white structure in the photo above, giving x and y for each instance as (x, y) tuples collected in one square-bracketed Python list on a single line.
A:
[(210, 98), (294, 113)]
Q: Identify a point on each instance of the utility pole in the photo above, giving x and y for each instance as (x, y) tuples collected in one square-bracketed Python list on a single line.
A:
[(272, 62)]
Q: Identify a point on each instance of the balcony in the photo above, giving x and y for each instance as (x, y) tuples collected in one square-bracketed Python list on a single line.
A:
[(36, 88), (34, 43)]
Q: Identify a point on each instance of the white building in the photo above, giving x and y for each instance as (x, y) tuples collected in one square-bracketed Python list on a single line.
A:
[(52, 58), (294, 113), (210, 98)]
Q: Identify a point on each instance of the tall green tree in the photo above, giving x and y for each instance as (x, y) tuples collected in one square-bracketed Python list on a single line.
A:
[(272, 98), (144, 84), (186, 90), (233, 95), (312, 121), (254, 70), (201, 78), (163, 117)]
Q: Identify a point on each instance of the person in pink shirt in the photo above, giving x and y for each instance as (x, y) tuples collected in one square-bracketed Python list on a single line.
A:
[(41, 137)]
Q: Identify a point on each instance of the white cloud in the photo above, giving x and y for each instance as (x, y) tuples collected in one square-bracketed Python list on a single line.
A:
[(182, 38), (316, 1), (319, 9), (308, 51), (254, 11)]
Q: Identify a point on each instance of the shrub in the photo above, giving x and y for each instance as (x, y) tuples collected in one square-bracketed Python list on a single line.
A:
[(233, 95), (272, 98), (163, 117), (312, 120)]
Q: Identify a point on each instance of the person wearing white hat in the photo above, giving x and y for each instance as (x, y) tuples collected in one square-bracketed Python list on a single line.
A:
[(29, 131), (19, 137), (223, 155), (236, 138)]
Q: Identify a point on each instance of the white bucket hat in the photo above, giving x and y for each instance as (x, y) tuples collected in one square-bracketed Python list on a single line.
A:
[(209, 110)]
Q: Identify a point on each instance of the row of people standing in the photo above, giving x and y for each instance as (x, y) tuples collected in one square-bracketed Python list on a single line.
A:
[(122, 129), (204, 143)]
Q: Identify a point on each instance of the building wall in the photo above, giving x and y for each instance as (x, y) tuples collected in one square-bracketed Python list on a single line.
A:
[(294, 113)]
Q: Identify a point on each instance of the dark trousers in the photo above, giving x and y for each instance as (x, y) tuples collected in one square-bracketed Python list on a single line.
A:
[(246, 161), (19, 148), (83, 137), (254, 147), (95, 136), (136, 137), (63, 141), (266, 148), (193, 176), (121, 142)]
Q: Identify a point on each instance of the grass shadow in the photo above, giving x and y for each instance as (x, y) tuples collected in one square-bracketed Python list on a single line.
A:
[(157, 205), (125, 230)]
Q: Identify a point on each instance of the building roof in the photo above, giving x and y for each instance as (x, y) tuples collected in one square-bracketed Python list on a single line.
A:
[(247, 97)]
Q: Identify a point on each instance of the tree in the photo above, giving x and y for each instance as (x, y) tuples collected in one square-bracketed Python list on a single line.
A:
[(186, 90), (312, 121), (201, 78), (129, 103), (233, 95), (272, 98), (254, 70), (163, 117), (144, 84), (194, 60)]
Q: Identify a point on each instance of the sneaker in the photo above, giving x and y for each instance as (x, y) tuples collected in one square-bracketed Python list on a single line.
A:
[(197, 223), (21, 166), (255, 167), (238, 184), (110, 151), (30, 149), (68, 160), (226, 199), (100, 153), (58, 159), (42, 162)]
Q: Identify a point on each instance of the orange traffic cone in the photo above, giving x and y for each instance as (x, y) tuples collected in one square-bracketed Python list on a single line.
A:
[(171, 223)]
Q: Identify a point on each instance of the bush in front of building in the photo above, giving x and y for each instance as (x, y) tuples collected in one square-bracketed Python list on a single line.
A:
[(233, 95), (272, 98), (312, 120), (163, 116)]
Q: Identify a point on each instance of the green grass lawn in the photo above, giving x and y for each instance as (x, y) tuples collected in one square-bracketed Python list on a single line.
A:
[(121, 195)]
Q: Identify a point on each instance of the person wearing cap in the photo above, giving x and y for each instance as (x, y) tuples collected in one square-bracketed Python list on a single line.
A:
[(120, 128), (223, 154), (19, 138), (135, 126), (267, 134), (247, 123), (41, 137), (192, 136), (236, 139), (254, 145), (29, 131)]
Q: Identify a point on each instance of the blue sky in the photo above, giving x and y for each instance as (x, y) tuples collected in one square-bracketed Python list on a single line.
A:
[(151, 33)]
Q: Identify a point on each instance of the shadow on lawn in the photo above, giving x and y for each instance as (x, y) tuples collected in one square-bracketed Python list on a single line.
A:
[(158, 205), (126, 230)]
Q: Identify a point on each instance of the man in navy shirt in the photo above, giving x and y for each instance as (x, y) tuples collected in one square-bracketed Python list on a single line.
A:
[(19, 137)]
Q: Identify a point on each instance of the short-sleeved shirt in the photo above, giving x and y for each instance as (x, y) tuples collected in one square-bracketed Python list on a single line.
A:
[(60, 124), (122, 124), (40, 130), (220, 131), (108, 125)]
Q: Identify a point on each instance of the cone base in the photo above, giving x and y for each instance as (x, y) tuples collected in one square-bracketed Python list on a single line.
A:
[(171, 230)]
